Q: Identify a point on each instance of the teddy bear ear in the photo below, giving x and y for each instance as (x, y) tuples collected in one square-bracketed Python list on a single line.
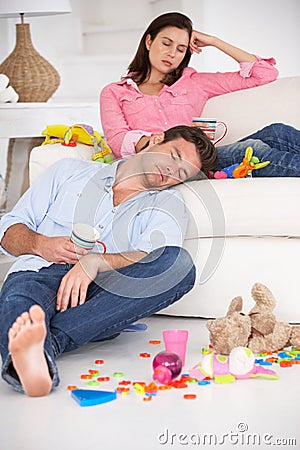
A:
[(209, 324), (263, 297), (236, 305)]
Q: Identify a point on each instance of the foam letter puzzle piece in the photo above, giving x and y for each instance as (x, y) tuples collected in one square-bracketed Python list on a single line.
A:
[(88, 397)]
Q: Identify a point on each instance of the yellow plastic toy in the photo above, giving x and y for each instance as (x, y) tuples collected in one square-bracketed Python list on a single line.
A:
[(250, 162), (68, 136)]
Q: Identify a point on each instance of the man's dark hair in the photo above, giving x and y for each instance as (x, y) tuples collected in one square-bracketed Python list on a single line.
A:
[(140, 67), (206, 150)]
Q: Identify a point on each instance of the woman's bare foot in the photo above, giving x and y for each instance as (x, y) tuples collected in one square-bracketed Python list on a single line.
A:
[(26, 340)]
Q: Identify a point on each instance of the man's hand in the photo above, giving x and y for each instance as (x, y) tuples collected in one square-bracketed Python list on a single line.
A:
[(20, 240), (73, 287), (60, 249)]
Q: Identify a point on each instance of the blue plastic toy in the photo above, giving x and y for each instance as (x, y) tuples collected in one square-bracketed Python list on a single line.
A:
[(88, 397)]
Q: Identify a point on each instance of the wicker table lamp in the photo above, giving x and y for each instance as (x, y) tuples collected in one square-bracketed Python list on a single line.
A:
[(31, 75)]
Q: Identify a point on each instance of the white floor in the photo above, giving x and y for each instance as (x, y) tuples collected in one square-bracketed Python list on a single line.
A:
[(240, 415)]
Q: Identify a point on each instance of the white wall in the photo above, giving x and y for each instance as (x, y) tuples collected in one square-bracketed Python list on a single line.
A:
[(263, 27), (89, 51)]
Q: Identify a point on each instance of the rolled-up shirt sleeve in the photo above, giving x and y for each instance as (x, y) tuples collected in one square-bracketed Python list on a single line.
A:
[(262, 69), (32, 207), (129, 142)]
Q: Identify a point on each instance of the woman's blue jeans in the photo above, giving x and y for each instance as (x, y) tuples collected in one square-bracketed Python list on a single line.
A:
[(115, 300), (277, 143)]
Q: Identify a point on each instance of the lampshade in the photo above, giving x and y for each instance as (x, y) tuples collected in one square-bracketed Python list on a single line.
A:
[(32, 8), (31, 75)]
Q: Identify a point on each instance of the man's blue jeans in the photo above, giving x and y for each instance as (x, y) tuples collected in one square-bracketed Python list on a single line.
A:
[(277, 143), (115, 300)]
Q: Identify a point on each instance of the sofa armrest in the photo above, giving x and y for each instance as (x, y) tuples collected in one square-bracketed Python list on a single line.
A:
[(45, 155)]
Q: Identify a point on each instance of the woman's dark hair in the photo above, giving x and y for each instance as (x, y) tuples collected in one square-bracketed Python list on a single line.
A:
[(139, 68), (207, 152)]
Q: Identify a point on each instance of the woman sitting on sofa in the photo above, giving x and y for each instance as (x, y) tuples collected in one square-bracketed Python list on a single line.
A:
[(160, 91)]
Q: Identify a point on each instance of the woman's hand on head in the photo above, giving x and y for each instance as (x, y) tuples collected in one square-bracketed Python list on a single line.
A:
[(199, 40)]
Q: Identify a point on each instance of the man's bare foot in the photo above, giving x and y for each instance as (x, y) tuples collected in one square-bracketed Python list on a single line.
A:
[(26, 340)]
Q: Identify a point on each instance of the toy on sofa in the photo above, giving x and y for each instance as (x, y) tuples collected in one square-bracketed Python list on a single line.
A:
[(83, 133), (104, 155), (7, 93), (257, 330), (240, 364), (243, 169)]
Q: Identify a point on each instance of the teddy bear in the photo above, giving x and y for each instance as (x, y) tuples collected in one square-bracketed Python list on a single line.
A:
[(258, 330)]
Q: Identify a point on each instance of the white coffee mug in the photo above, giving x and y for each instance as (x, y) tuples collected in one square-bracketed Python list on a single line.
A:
[(209, 127), (86, 236)]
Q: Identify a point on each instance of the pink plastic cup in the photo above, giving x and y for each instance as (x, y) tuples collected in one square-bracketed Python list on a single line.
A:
[(175, 341)]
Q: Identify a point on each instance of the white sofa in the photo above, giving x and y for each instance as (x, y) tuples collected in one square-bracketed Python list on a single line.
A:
[(241, 231)]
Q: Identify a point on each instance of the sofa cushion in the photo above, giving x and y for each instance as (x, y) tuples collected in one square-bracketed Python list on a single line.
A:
[(243, 207)]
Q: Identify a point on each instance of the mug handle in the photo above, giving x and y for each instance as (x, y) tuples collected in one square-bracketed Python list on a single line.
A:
[(103, 245), (224, 131)]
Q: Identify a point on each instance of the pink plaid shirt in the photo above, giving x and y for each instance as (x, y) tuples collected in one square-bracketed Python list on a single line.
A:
[(127, 114)]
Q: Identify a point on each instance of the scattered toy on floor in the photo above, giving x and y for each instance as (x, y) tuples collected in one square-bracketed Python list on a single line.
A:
[(87, 397), (240, 364), (166, 366)]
